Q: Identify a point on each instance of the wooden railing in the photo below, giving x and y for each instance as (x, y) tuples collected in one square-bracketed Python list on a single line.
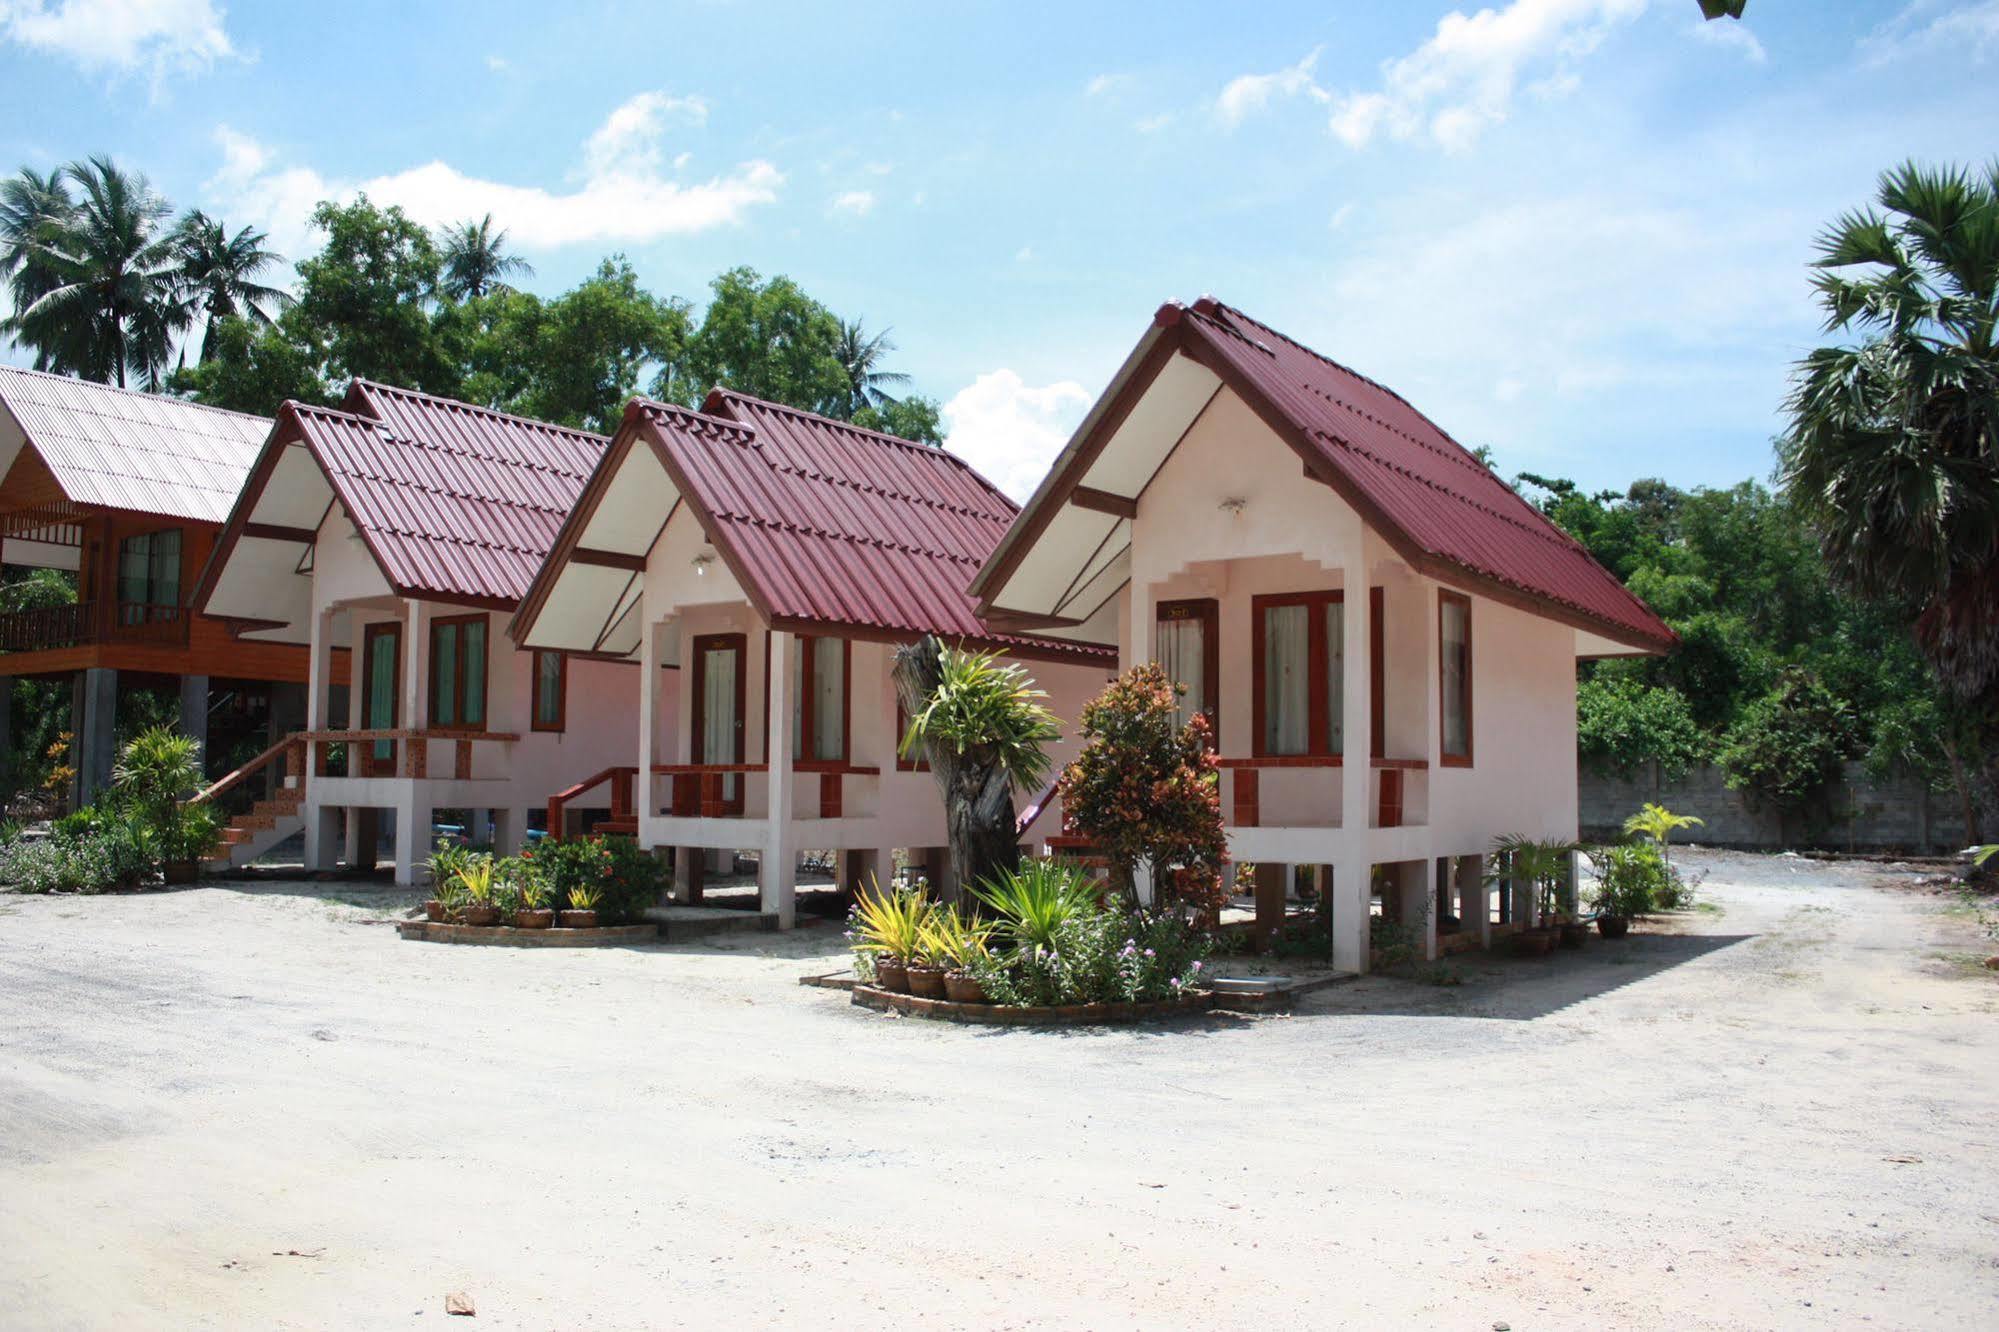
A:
[(697, 787), (623, 812), (291, 749), (80, 624), (410, 761)]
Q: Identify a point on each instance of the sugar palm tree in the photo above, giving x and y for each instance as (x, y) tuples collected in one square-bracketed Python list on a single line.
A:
[(219, 273), (32, 206), (861, 358), (983, 727), (476, 260), (113, 303), (1893, 445)]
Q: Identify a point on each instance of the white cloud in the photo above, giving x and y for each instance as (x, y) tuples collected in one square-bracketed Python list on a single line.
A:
[(121, 35), (1106, 83), (1024, 255), (1010, 430), (1929, 26), (1731, 35), (1340, 216), (1251, 93), (498, 64), (1464, 78), (854, 203), (624, 194), (1153, 124)]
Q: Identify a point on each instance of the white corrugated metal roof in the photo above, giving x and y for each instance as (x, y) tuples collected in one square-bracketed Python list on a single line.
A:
[(139, 451)]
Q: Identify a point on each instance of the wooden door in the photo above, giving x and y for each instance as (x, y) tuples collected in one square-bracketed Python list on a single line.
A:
[(718, 733), (381, 694)]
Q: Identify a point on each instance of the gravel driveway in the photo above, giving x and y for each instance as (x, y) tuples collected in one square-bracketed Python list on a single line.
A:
[(256, 1107)]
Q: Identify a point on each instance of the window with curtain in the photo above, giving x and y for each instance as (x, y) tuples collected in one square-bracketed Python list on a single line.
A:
[(819, 699), (1186, 649), (148, 573), (458, 672), (1300, 653), (1454, 633), (551, 687)]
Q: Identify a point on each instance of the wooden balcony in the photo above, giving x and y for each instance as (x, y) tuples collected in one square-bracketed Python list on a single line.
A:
[(85, 624)]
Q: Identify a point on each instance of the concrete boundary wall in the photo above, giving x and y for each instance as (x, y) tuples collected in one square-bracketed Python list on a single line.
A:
[(1900, 814)]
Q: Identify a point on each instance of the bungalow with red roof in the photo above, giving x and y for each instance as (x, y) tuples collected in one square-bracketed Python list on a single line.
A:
[(748, 543), (1383, 634), (406, 527)]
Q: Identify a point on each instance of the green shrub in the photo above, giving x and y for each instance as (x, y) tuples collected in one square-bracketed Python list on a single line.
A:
[(94, 862), (1630, 880), (626, 879), (1053, 944)]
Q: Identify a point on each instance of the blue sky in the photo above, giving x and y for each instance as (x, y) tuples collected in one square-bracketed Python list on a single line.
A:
[(1574, 230)]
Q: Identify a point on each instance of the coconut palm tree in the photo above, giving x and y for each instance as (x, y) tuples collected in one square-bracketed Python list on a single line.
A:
[(113, 304), (219, 272), (31, 207), (475, 260), (1893, 445), (861, 358)]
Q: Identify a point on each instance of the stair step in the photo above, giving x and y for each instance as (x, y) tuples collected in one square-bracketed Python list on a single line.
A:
[(235, 836), (256, 820), (284, 802), (624, 827)]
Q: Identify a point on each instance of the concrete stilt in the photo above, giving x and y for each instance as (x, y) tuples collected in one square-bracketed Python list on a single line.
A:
[(96, 742)]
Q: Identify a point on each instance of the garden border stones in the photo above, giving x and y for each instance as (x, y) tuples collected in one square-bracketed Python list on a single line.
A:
[(430, 931)]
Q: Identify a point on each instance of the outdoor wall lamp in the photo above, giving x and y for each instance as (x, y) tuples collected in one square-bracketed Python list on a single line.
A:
[(1234, 506)]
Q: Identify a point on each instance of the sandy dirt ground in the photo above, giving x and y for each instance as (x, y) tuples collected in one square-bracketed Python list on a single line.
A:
[(255, 1107)]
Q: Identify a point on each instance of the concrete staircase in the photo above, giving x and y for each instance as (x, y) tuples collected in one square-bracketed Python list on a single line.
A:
[(250, 835)]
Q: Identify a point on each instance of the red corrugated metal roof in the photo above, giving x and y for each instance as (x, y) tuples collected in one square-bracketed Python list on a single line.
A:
[(456, 501), (144, 452), (1419, 480), (832, 524)]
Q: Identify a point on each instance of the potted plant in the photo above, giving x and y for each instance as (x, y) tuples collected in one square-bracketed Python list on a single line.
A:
[(1542, 864), (532, 911), (189, 834), (581, 913), (445, 862), (958, 943), (1627, 878), (476, 878), (889, 925)]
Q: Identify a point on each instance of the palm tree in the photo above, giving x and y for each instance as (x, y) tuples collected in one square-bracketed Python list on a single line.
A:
[(860, 358), (1659, 823), (219, 272), (985, 731), (113, 303), (475, 260), (31, 207), (1893, 446)]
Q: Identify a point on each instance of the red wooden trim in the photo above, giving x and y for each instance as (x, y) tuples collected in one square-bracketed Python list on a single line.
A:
[(1318, 738), (829, 795), (561, 719), (1391, 798), (1103, 501), (608, 559), (278, 532), (701, 646), (1247, 798), (459, 673), (808, 701), (1377, 671), (1285, 761), (1209, 612), (1402, 764), (1448, 759)]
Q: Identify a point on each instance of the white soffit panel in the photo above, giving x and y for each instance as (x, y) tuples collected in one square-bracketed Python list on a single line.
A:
[(1153, 426), (634, 507)]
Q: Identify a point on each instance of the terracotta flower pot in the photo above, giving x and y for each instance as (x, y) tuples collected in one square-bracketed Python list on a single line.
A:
[(1613, 927), (962, 987), (539, 918), (481, 915), (578, 920), (433, 910), (180, 871), (926, 982), (891, 975)]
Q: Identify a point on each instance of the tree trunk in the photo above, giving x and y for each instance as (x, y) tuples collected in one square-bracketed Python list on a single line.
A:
[(978, 794), (1973, 825)]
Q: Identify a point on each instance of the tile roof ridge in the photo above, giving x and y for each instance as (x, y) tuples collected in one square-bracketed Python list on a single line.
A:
[(397, 390), (31, 373), (694, 415)]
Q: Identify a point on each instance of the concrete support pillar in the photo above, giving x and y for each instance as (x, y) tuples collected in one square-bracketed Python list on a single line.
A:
[(364, 835), (412, 837), (777, 869), (1351, 868), (652, 651), (510, 830), (879, 872), (96, 741), (1429, 876), (319, 687), (194, 714), (689, 870), (415, 710), (323, 837), (1477, 898), (6, 731)]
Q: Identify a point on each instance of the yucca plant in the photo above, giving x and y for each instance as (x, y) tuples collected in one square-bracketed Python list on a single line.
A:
[(1036, 900), (891, 922), (954, 940), (1659, 823), (476, 877), (583, 897)]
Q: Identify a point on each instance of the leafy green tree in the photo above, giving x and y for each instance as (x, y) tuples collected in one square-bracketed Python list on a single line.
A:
[(245, 369), (367, 297), (111, 302), (1893, 446), (911, 418), (766, 338), (219, 274), (1623, 723), (475, 260), (1786, 748)]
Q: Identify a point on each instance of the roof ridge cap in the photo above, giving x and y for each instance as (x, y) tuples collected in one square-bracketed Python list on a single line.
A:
[(174, 399), (439, 398)]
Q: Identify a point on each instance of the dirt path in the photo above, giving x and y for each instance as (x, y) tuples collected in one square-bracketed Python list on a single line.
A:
[(1780, 1115)]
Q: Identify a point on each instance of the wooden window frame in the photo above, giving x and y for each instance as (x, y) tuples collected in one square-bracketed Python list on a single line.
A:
[(561, 720), (808, 714), (699, 648), (1209, 612), (1318, 669), (372, 765), (149, 536), (1446, 597), (459, 622)]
